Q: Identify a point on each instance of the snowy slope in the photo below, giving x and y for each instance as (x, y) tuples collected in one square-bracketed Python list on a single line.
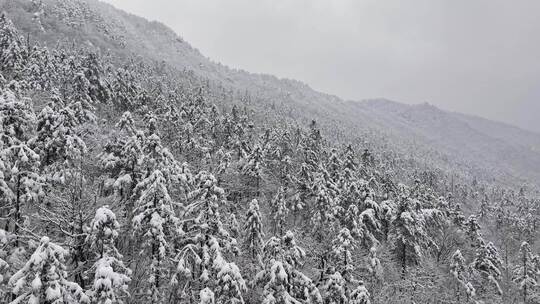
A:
[(465, 144)]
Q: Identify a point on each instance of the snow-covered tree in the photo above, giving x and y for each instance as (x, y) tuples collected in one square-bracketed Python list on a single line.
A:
[(334, 165), (487, 263), (472, 229), (20, 181), (39, 69), (4, 266), (110, 275), (57, 139), (281, 279), (360, 295), (408, 232), (230, 284), (375, 267), (43, 279), (279, 211), (334, 290), (526, 272), (12, 49), (234, 226), (350, 165), (207, 296), (253, 167), (460, 272), (326, 206), (253, 229), (123, 160), (342, 249), (202, 242), (155, 222), (127, 93)]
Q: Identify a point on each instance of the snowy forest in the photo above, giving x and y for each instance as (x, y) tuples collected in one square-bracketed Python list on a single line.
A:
[(126, 180)]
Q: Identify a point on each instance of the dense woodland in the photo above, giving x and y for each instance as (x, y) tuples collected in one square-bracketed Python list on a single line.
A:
[(124, 181)]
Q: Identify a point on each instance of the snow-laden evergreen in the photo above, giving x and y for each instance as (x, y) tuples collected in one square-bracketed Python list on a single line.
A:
[(43, 279), (526, 273), (281, 279), (111, 277), (253, 229), (203, 242), (360, 295), (461, 272)]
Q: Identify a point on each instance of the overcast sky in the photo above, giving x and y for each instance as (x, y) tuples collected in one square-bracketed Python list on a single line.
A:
[(474, 56)]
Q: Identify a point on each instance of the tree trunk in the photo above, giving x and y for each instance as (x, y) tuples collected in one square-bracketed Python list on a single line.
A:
[(403, 260)]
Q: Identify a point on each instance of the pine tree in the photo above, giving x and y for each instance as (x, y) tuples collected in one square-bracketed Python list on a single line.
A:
[(279, 211), (123, 161), (326, 206), (472, 229), (487, 263), (127, 94), (155, 222), (43, 279), (526, 272), (334, 166), (360, 295), (350, 166), (39, 70), (282, 281), (234, 226), (12, 49), (375, 267), (110, 275), (342, 249), (202, 242), (98, 88), (253, 167), (408, 233), (20, 181), (230, 284), (155, 219), (253, 228), (460, 272), (364, 218), (4, 266), (207, 296), (57, 139), (334, 288)]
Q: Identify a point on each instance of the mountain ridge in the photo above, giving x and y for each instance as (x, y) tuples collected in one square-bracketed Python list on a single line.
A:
[(509, 155)]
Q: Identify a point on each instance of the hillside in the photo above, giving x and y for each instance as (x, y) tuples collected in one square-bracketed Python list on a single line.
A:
[(135, 170), (466, 145)]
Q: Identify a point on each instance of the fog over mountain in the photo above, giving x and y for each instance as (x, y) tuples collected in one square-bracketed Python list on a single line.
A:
[(135, 169), (473, 57)]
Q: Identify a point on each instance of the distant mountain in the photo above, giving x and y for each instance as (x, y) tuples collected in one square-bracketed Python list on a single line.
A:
[(500, 149), (455, 143)]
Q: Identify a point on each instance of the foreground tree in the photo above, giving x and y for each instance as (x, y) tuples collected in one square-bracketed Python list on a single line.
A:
[(360, 295), (460, 272), (110, 275), (408, 233), (202, 243), (526, 272), (20, 181), (43, 279), (281, 279), (155, 223)]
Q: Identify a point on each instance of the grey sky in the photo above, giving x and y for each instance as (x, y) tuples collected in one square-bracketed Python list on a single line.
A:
[(473, 56)]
